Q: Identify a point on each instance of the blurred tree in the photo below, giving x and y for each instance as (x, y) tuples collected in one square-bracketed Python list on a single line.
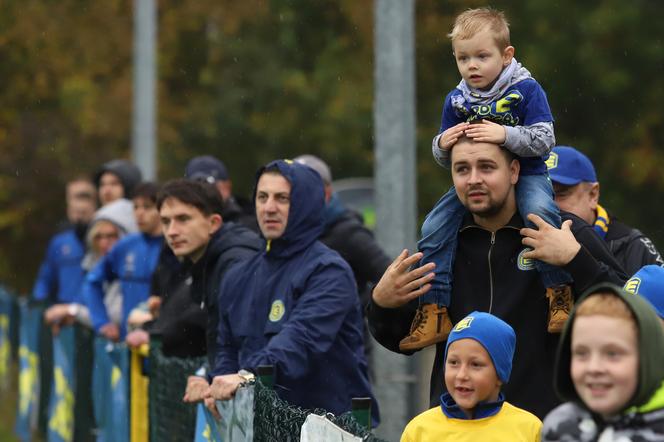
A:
[(258, 79)]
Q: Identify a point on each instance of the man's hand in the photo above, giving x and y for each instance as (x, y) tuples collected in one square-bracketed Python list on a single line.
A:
[(224, 387), (487, 132), (154, 304), (139, 317), (58, 314), (137, 338), (451, 136), (553, 246), (195, 391), (110, 331), (211, 405), (399, 285)]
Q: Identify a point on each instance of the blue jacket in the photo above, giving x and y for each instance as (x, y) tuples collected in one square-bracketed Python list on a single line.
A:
[(60, 274), (523, 104), (294, 305), (132, 260)]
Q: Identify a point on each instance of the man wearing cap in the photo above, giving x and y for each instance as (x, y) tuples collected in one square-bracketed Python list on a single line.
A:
[(213, 171), (649, 283), (577, 191)]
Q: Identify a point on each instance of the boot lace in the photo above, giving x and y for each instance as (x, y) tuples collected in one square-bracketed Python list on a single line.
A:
[(561, 302), (419, 320)]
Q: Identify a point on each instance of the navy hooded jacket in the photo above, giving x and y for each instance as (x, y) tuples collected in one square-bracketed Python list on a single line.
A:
[(294, 305)]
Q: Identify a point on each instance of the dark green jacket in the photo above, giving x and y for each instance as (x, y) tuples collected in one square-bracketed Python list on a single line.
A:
[(642, 418)]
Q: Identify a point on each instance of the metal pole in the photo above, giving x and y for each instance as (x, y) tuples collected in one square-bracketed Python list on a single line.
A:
[(394, 118), (143, 143)]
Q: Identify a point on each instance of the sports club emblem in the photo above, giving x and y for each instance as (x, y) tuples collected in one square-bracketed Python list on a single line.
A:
[(632, 286), (130, 263), (277, 311), (463, 324), (524, 263), (552, 161)]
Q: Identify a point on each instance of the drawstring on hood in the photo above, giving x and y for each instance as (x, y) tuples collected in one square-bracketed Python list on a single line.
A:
[(305, 215)]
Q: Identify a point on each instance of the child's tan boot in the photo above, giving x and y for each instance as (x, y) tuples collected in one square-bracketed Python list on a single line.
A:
[(560, 304), (431, 325)]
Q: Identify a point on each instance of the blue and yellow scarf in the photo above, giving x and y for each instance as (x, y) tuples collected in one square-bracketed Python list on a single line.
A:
[(601, 222)]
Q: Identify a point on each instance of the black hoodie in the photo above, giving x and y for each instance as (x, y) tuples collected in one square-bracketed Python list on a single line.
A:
[(228, 245)]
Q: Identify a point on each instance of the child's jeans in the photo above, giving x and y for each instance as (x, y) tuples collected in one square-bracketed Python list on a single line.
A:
[(534, 194)]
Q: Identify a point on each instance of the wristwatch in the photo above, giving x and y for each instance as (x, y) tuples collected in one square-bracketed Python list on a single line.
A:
[(246, 375)]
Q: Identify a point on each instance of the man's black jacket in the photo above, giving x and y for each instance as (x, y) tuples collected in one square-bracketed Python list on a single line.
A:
[(181, 322), (228, 245), (357, 245), (631, 247), (490, 275)]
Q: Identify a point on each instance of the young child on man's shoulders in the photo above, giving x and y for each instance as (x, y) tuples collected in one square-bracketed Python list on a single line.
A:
[(497, 101)]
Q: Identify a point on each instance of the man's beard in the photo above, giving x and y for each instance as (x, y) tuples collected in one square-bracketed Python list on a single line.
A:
[(486, 212), (490, 208)]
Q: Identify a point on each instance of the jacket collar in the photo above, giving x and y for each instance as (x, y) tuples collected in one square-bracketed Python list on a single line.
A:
[(482, 410), (515, 222)]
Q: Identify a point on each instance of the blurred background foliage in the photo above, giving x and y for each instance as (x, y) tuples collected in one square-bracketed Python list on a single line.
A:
[(253, 80)]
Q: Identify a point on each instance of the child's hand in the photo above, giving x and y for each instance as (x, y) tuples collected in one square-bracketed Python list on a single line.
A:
[(451, 135), (487, 132)]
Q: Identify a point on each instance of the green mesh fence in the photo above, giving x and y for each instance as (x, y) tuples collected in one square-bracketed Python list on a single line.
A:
[(170, 418), (276, 420)]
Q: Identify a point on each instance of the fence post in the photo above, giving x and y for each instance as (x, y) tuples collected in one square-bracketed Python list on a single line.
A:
[(361, 410), (265, 374)]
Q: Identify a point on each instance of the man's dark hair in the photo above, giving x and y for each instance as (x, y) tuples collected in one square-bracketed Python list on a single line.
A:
[(147, 190), (205, 197)]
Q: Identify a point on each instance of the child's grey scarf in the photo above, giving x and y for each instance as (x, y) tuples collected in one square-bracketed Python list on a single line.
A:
[(509, 76)]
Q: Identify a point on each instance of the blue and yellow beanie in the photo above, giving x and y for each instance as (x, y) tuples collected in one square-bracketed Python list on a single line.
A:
[(494, 334)]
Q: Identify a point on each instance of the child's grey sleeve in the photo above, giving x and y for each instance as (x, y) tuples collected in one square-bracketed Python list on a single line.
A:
[(441, 156), (535, 140)]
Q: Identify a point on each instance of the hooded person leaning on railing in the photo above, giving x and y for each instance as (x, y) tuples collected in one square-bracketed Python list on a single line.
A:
[(293, 305)]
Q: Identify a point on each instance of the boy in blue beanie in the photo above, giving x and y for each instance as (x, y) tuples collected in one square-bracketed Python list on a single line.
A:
[(478, 361), (648, 282)]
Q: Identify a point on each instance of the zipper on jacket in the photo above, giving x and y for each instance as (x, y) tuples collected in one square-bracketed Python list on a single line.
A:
[(493, 241)]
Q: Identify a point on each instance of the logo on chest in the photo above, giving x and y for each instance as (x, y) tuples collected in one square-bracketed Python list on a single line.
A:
[(525, 263), (277, 311), (130, 263), (65, 250)]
